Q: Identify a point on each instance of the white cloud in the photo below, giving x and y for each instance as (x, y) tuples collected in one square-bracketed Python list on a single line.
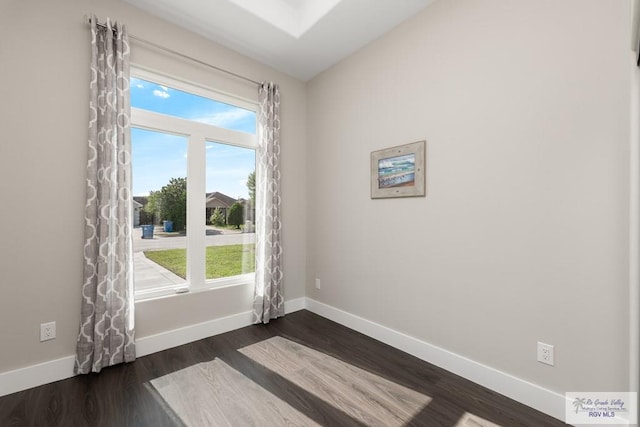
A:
[(161, 94), (137, 83)]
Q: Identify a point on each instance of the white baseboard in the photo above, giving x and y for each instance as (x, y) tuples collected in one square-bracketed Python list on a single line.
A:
[(530, 394), (60, 369), (295, 305), (539, 398), (176, 337), (191, 333), (35, 375)]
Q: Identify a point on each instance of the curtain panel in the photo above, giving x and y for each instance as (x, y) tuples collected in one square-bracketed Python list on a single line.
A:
[(106, 334), (268, 296)]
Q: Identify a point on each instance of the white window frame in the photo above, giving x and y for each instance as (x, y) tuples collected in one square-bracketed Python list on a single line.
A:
[(197, 134)]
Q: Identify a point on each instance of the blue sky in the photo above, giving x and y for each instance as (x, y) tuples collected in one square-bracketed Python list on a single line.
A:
[(157, 157)]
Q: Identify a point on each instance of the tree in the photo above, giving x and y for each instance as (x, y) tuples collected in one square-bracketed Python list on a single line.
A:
[(236, 214), (217, 218), (152, 208), (173, 203), (251, 185)]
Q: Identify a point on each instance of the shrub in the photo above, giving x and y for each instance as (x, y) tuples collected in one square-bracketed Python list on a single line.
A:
[(236, 214), (173, 202), (217, 218)]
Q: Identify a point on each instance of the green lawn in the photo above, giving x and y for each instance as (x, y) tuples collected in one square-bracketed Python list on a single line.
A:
[(222, 261)]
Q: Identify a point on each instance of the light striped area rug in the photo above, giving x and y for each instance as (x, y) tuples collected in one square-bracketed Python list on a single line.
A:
[(215, 394)]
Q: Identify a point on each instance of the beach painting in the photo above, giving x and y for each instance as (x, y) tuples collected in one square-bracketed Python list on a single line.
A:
[(398, 171)]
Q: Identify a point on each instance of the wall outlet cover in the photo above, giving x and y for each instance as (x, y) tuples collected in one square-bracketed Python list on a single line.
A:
[(47, 331), (545, 353)]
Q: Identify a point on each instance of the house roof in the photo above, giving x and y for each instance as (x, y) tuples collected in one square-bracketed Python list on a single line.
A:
[(219, 200), (143, 200)]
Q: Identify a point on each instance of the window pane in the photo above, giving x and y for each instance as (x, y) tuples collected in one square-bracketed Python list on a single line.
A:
[(165, 100), (160, 195), (230, 210)]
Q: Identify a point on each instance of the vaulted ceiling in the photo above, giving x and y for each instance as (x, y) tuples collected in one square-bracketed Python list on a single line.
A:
[(298, 37)]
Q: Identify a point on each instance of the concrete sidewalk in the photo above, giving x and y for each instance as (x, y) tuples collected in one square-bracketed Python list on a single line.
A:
[(148, 274)]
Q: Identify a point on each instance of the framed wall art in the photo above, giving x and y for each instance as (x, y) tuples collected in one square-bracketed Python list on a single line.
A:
[(398, 171)]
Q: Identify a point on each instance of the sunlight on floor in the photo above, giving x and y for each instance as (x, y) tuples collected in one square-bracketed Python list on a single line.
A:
[(470, 420), (360, 394), (214, 393)]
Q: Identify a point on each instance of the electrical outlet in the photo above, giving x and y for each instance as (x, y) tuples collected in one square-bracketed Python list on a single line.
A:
[(545, 353), (317, 283), (47, 331)]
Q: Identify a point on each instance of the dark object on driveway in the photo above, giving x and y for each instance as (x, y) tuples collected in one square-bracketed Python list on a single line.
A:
[(168, 226)]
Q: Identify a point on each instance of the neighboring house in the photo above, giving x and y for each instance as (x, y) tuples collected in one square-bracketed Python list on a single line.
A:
[(220, 201), (214, 200), (137, 207), (143, 217), (143, 200)]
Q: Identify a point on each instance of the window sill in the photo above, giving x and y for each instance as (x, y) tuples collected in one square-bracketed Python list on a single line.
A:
[(185, 289)]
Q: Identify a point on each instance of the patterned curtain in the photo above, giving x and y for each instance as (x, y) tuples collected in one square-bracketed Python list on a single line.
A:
[(268, 300), (106, 327)]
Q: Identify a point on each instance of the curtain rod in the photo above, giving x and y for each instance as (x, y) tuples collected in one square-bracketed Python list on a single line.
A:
[(181, 55)]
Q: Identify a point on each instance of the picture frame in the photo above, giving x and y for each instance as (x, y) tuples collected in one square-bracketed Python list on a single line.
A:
[(399, 171)]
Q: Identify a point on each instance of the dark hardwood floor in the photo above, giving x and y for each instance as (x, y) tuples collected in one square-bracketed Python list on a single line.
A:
[(123, 396)]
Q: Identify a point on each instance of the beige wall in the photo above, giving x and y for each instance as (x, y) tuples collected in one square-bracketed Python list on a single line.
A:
[(523, 235), (44, 60)]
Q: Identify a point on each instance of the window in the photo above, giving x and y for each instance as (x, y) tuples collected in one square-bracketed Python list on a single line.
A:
[(193, 157)]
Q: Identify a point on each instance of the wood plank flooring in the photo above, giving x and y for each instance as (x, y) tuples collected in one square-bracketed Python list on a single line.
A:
[(301, 370)]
